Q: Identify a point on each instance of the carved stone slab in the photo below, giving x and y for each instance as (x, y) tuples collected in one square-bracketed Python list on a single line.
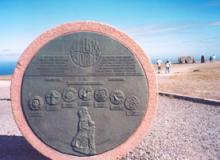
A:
[(83, 90)]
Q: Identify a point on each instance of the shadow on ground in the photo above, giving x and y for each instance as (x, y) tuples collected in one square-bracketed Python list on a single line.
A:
[(16, 147)]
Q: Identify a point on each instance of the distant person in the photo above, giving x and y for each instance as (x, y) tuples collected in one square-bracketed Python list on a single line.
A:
[(202, 59), (168, 65), (159, 63), (211, 58)]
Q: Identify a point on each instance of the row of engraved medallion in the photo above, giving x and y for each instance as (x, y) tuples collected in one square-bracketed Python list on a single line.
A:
[(70, 94)]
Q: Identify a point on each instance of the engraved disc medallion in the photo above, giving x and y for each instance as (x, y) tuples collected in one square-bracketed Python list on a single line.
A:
[(84, 93)]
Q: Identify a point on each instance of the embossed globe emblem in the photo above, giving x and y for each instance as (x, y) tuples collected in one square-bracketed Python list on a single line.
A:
[(85, 93), (85, 52)]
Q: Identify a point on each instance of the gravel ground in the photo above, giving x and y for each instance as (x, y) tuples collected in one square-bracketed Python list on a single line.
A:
[(182, 130)]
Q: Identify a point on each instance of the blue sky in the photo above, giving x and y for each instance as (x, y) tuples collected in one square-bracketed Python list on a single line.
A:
[(162, 28)]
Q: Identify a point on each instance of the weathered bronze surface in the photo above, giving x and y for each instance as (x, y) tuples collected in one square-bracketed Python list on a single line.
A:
[(84, 93)]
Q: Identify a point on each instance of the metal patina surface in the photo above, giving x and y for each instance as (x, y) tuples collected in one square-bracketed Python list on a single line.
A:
[(84, 93)]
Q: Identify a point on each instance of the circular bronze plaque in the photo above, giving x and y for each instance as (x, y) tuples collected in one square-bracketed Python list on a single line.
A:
[(84, 93), (96, 75)]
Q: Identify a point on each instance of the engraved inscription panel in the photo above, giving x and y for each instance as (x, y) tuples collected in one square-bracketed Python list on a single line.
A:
[(84, 93)]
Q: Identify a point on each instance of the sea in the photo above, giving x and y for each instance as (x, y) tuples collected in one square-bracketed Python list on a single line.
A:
[(7, 67)]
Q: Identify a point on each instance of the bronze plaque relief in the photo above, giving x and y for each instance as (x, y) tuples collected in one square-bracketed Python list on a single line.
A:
[(84, 93)]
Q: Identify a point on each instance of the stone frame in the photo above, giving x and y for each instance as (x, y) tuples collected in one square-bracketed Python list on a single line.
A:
[(107, 30)]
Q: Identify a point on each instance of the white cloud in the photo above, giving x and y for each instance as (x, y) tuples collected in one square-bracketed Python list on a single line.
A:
[(160, 40), (9, 55), (155, 29), (175, 40)]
